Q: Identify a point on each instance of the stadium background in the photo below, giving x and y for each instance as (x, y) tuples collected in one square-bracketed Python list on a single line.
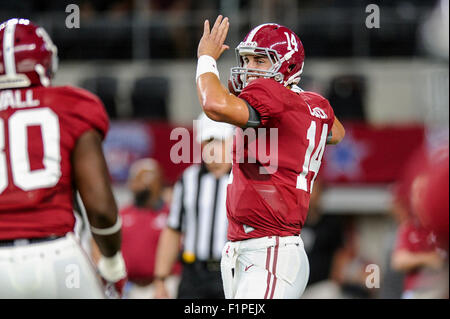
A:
[(388, 85)]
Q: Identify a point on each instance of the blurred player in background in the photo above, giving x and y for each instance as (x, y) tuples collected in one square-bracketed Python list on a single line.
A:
[(198, 218), (420, 252), (433, 206), (51, 146), (143, 222), (266, 204)]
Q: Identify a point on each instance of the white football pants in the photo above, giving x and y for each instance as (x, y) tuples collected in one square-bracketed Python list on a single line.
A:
[(53, 269), (265, 268)]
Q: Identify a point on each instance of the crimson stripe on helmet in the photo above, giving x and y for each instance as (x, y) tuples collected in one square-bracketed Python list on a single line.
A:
[(8, 48)]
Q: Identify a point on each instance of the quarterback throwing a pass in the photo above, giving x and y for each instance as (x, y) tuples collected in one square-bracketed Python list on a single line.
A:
[(266, 205)]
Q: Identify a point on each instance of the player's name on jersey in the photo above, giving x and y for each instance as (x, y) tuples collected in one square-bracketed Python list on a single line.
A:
[(17, 99)]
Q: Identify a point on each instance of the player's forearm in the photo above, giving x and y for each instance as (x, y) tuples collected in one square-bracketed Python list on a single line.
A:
[(218, 103), (108, 245), (337, 132), (401, 261), (407, 261), (167, 252), (105, 227), (212, 96), (104, 220), (92, 181)]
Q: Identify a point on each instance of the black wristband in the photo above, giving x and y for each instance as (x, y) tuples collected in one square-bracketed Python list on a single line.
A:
[(253, 117), (329, 136)]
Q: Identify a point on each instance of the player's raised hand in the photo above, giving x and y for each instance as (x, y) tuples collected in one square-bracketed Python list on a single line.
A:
[(212, 40)]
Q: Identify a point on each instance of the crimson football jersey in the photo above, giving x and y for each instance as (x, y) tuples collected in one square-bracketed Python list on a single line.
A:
[(39, 128), (141, 229), (274, 167), (412, 237)]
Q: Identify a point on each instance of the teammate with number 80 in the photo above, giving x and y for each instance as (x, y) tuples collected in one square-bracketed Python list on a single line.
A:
[(51, 147), (264, 257)]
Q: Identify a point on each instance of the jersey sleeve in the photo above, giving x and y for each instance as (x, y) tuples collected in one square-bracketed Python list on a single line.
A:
[(86, 112), (261, 95), (330, 113), (318, 100)]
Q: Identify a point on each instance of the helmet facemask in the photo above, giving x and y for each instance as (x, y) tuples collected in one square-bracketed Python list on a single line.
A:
[(280, 46), (46, 73), (239, 75)]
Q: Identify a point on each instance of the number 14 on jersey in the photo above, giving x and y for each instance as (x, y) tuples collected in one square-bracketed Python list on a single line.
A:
[(312, 163)]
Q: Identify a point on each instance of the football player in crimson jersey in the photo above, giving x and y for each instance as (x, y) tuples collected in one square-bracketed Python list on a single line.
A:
[(50, 147), (422, 235), (266, 204), (433, 207)]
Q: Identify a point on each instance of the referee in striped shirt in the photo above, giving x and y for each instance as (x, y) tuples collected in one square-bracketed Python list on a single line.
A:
[(198, 211)]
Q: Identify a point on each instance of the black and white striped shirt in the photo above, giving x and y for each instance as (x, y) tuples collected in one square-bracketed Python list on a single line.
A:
[(199, 211)]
